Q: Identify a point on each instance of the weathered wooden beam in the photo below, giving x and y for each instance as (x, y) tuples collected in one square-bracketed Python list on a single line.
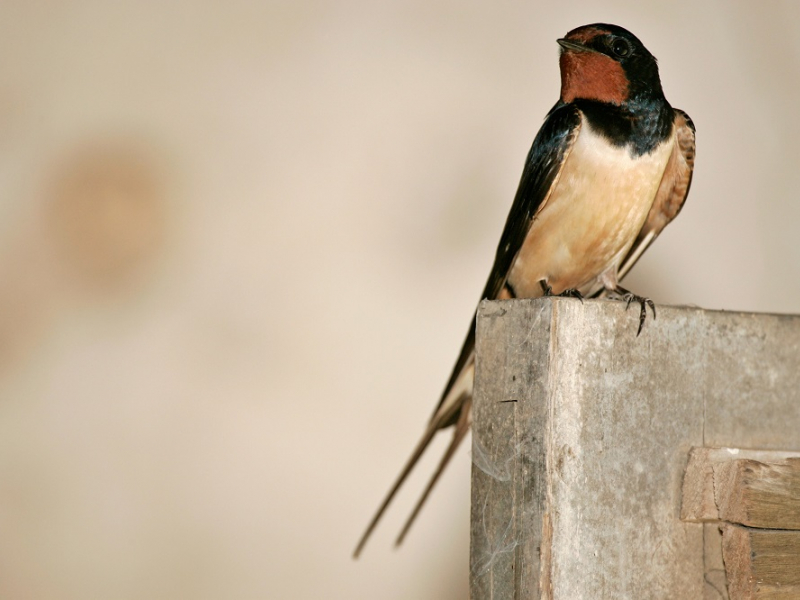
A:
[(762, 564), (760, 489), (581, 435), (749, 487)]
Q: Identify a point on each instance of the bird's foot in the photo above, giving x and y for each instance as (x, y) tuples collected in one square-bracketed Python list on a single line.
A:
[(568, 293), (629, 298), (572, 293)]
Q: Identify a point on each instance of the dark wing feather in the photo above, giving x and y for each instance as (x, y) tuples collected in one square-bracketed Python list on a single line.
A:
[(549, 150), (542, 166), (672, 192)]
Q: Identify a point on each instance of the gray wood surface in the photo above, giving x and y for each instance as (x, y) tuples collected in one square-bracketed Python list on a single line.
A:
[(581, 436)]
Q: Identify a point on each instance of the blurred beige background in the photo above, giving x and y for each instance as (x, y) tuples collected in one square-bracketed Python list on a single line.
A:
[(241, 244)]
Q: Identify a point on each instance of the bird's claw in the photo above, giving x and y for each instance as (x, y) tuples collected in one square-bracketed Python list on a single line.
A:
[(643, 303), (572, 293), (547, 291)]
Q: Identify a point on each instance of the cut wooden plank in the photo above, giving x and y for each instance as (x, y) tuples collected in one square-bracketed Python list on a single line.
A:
[(760, 494), (756, 488), (698, 501), (750, 487), (761, 564)]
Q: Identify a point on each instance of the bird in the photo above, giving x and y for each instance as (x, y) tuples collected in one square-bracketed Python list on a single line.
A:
[(610, 167)]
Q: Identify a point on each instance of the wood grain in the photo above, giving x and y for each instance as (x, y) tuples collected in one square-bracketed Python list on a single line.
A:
[(761, 564)]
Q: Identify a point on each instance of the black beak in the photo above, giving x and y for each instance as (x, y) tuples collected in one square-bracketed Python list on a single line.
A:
[(575, 47)]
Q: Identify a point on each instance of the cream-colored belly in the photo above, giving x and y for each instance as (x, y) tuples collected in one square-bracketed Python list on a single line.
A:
[(592, 217)]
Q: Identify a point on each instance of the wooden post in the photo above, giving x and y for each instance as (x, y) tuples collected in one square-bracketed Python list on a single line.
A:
[(581, 436)]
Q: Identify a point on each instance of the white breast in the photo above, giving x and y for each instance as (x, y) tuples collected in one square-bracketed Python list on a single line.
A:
[(592, 217)]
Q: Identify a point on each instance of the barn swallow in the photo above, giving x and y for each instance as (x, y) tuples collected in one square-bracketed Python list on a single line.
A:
[(609, 168)]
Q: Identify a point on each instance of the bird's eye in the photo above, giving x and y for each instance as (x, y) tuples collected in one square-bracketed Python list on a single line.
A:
[(621, 47)]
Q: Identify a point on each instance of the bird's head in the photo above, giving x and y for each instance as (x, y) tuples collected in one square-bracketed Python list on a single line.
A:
[(608, 64)]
